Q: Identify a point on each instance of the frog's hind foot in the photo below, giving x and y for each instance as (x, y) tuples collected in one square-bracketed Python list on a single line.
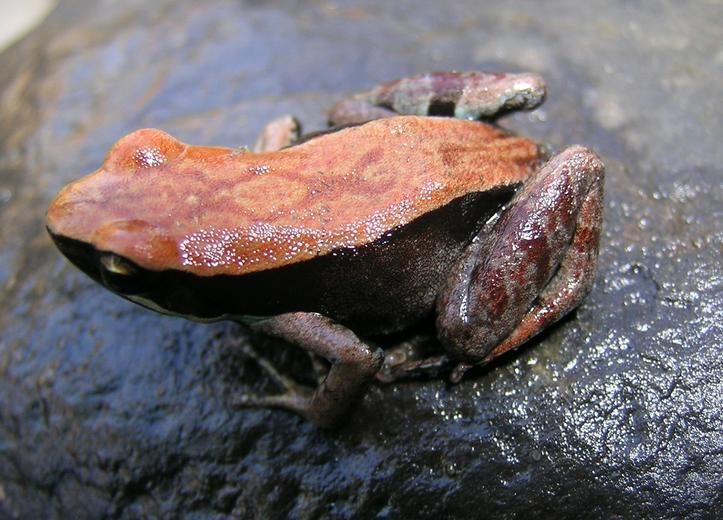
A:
[(464, 95), (427, 368)]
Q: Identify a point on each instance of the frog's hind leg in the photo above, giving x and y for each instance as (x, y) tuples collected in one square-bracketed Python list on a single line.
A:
[(465, 95), (278, 133), (572, 281), (531, 267), (353, 367)]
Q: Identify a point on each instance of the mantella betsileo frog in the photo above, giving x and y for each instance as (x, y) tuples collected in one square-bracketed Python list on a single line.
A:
[(409, 208)]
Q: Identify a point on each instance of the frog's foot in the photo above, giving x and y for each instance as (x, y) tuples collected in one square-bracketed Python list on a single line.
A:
[(427, 368), (277, 134), (530, 267), (296, 401), (289, 385), (353, 367), (414, 357), (464, 95)]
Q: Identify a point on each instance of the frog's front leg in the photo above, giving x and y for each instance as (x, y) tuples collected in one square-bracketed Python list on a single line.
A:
[(277, 134), (528, 268), (353, 367), (464, 95)]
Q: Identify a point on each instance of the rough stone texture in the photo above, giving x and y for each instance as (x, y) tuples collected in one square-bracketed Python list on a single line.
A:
[(109, 410)]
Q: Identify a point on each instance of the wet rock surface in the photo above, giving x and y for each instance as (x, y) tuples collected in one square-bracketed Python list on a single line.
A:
[(109, 410)]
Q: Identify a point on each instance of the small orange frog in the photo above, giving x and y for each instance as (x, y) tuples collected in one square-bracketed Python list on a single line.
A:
[(393, 216)]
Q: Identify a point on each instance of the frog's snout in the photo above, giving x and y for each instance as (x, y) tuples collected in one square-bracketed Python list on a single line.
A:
[(75, 210), (80, 254), (59, 211)]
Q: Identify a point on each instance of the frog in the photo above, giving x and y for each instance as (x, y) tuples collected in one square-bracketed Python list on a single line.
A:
[(413, 206)]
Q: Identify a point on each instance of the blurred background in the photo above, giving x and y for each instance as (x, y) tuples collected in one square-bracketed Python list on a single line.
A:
[(19, 16)]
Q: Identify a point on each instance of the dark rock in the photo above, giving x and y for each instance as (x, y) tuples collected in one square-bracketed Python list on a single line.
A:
[(109, 410)]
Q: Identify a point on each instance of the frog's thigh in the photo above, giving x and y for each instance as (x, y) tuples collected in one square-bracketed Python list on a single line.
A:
[(353, 366), (530, 267), (573, 280), (277, 134)]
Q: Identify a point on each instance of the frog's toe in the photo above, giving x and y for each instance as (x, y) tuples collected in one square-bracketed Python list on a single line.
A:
[(267, 366), (294, 401)]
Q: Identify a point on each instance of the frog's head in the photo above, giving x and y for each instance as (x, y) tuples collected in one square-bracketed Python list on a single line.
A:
[(113, 224)]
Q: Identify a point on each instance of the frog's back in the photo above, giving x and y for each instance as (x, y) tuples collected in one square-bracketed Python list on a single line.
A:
[(215, 211)]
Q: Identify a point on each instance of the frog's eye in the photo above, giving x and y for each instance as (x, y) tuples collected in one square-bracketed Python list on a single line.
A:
[(143, 149), (116, 265), (121, 275)]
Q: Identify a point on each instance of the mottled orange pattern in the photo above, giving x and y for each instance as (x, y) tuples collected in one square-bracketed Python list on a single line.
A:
[(167, 205)]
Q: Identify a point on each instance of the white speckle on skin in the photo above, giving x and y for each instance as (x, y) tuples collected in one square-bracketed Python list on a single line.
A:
[(259, 169), (149, 157)]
